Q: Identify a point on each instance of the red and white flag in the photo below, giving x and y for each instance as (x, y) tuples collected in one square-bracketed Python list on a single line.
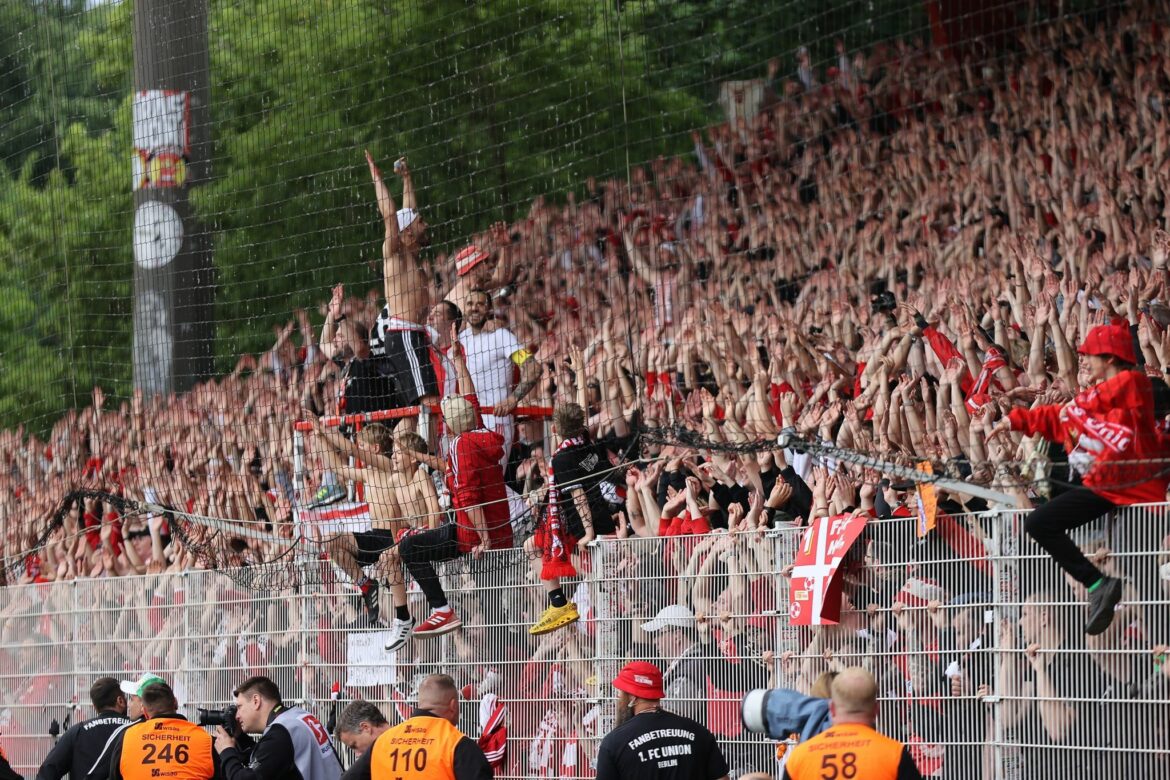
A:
[(814, 596), (493, 737)]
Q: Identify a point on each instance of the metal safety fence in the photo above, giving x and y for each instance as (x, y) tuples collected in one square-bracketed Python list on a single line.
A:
[(972, 633)]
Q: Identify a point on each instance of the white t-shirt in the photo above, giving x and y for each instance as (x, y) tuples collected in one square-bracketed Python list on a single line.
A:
[(489, 360)]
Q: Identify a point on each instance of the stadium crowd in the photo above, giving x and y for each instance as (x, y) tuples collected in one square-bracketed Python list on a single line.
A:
[(890, 256)]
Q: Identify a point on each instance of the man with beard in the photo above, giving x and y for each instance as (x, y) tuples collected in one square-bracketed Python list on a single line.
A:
[(81, 745), (492, 358), (650, 742)]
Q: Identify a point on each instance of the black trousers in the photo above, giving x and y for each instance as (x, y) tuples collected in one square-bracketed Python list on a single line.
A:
[(419, 551), (1049, 526)]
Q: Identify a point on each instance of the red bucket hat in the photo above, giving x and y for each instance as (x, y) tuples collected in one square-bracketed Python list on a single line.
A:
[(641, 679), (1112, 340)]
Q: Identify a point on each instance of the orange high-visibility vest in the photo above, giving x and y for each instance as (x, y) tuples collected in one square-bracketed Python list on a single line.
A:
[(421, 748), (851, 751), (167, 748)]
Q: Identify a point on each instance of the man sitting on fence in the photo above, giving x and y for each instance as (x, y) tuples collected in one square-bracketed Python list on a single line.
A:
[(399, 494), (475, 481), (1111, 435)]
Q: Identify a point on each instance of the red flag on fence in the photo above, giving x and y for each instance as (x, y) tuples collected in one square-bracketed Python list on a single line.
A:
[(814, 597)]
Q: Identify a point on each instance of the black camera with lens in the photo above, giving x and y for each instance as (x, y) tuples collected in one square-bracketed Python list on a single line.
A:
[(225, 717)]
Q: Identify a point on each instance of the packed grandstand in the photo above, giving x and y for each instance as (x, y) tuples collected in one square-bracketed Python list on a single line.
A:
[(899, 257)]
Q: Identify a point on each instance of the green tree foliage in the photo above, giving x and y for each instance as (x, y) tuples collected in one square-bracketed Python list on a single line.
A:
[(495, 103), (695, 45), (64, 249)]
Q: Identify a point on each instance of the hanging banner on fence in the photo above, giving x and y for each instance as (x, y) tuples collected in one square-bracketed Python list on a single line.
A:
[(814, 596), (344, 517), (162, 138), (366, 662), (927, 502)]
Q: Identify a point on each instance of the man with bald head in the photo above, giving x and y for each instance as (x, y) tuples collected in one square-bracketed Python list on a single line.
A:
[(426, 745), (852, 748)]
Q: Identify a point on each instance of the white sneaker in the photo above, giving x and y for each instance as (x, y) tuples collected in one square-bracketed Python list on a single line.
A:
[(399, 633)]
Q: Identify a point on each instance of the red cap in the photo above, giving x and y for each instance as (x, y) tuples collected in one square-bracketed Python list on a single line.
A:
[(1109, 340), (641, 679), (469, 257)]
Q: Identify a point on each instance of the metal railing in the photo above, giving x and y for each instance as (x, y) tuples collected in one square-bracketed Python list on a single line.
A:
[(973, 635)]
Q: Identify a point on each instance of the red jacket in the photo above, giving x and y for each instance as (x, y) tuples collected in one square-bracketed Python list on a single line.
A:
[(475, 478), (1102, 428)]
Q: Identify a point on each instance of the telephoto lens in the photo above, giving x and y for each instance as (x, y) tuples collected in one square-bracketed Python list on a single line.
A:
[(225, 717), (753, 711), (781, 713)]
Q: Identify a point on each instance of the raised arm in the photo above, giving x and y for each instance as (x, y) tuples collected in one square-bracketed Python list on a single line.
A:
[(464, 384), (337, 445), (332, 317), (403, 170), (386, 206)]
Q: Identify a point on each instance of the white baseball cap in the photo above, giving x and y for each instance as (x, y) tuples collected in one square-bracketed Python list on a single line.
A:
[(672, 616), (135, 688), (406, 218)]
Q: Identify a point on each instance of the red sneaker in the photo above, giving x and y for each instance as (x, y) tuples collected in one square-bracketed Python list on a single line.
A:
[(438, 623)]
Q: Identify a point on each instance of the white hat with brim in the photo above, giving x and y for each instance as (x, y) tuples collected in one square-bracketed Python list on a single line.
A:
[(672, 616), (406, 218), (135, 688)]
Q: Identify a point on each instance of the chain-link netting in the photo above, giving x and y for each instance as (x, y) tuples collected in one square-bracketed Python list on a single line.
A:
[(974, 639), (696, 268)]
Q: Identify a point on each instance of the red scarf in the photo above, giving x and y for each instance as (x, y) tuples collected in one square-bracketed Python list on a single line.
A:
[(993, 361), (556, 542)]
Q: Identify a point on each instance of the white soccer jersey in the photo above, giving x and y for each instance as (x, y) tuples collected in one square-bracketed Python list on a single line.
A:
[(489, 360)]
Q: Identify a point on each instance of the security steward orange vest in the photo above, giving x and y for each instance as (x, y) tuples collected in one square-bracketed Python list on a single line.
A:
[(850, 751), (167, 748), (421, 748)]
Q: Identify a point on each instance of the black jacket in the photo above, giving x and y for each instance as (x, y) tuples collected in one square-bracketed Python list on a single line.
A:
[(272, 758), (274, 755), (78, 748), (100, 769), (6, 770)]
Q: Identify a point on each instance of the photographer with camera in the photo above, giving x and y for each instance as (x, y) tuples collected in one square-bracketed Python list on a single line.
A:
[(293, 744), (165, 744), (80, 746)]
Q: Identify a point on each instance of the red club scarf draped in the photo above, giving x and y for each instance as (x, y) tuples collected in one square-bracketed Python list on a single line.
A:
[(556, 542)]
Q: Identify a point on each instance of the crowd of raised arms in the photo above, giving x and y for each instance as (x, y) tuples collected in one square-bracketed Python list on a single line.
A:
[(907, 255)]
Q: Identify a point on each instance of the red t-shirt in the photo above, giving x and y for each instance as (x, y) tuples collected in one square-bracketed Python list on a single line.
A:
[(475, 478)]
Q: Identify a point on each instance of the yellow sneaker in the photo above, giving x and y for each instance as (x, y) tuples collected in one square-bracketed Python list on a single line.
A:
[(554, 618)]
